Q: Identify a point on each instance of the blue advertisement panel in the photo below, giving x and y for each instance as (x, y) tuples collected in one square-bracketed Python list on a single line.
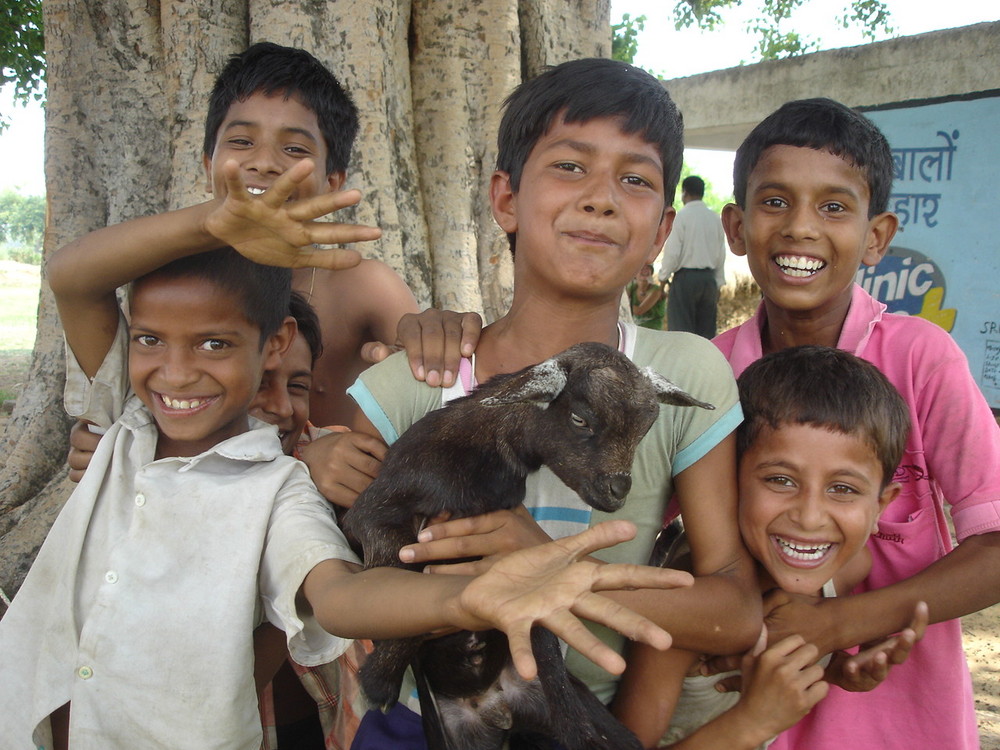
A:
[(944, 263)]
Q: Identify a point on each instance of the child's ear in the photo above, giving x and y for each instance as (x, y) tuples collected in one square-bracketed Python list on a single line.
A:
[(503, 201), (206, 163), (732, 223), (279, 342), (881, 230), (888, 494), (336, 180), (662, 232)]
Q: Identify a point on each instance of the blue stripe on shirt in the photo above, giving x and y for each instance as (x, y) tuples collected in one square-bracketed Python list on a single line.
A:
[(373, 410), (555, 513), (714, 435)]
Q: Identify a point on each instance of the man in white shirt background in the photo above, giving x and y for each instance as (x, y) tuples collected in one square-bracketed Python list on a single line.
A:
[(695, 255)]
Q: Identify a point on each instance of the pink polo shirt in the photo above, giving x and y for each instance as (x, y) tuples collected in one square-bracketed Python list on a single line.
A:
[(952, 455)]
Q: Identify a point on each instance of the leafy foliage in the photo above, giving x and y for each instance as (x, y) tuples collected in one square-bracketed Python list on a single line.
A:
[(872, 16), (624, 37), (22, 226), (22, 49)]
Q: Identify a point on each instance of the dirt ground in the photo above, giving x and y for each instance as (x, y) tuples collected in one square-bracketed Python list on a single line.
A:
[(981, 630)]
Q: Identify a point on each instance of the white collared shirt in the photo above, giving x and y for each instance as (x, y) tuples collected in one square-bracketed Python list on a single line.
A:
[(141, 604)]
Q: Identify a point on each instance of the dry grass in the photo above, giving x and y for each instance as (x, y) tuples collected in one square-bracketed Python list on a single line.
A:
[(737, 302)]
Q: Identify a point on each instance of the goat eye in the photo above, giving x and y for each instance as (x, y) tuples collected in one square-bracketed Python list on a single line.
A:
[(578, 421)]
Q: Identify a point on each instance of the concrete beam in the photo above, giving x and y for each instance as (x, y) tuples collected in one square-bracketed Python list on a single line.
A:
[(721, 107)]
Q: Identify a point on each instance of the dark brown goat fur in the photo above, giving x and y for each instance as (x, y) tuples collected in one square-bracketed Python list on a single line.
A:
[(582, 413)]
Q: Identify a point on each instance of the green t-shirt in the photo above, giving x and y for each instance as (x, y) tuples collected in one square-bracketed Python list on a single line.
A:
[(393, 400)]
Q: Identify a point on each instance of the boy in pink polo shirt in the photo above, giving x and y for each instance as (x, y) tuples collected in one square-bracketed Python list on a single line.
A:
[(812, 183)]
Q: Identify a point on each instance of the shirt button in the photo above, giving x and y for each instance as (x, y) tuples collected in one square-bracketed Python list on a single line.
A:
[(85, 673), (140, 499), (111, 577)]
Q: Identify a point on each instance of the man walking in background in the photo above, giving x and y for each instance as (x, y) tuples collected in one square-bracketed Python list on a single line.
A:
[(695, 253)]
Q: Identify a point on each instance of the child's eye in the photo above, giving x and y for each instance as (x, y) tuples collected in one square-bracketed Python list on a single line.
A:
[(774, 203), (145, 339), (843, 489), (299, 388), (298, 150), (780, 480), (568, 166), (634, 179), (213, 345), (834, 208), (240, 142)]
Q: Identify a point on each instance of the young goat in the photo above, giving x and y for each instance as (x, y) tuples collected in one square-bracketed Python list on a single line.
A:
[(582, 413)]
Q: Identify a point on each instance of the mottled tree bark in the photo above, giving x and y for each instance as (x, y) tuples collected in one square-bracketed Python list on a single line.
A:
[(128, 84)]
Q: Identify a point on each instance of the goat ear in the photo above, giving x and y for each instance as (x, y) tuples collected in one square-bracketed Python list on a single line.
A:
[(669, 393), (539, 384)]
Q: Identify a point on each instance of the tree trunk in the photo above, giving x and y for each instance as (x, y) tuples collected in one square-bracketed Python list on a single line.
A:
[(128, 85)]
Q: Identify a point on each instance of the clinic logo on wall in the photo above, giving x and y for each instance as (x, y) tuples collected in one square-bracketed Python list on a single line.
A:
[(909, 282)]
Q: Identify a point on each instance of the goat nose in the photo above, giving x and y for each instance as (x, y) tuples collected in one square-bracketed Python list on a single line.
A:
[(620, 485)]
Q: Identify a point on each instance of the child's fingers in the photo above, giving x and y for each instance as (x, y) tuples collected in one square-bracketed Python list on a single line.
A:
[(323, 204), (330, 233), (629, 623), (566, 625), (731, 684), (628, 576), (519, 643), (281, 190), (374, 352), (235, 188), (921, 617), (604, 534), (334, 259), (472, 328)]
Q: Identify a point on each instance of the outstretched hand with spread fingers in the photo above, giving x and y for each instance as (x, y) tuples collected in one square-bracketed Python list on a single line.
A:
[(553, 586), (275, 229)]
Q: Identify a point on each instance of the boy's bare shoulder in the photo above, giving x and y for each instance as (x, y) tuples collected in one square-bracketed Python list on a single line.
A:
[(366, 294)]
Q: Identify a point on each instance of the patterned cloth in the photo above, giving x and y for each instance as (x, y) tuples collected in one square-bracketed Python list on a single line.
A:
[(334, 686)]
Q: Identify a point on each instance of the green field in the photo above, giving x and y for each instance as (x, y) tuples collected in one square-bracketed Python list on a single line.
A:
[(19, 306), (19, 292)]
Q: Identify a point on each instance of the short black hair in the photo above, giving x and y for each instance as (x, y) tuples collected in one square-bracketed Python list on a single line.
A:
[(263, 291), (308, 323), (583, 90), (269, 69), (693, 186), (824, 125), (827, 388)]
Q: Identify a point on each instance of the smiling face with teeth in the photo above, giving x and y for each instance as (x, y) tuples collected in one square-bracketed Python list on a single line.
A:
[(195, 361), (267, 135), (809, 499), (805, 231)]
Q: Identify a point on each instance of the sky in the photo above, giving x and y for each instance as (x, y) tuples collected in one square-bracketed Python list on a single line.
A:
[(662, 50)]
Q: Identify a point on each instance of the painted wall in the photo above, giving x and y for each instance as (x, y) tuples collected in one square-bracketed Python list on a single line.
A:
[(944, 264)]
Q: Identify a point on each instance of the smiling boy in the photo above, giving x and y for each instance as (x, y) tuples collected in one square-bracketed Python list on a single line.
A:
[(812, 182), (822, 436), (134, 627), (589, 156), (271, 107)]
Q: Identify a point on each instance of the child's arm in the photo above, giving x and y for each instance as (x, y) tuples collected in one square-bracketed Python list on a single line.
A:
[(844, 622), (343, 463), (868, 669), (548, 585), (84, 274), (780, 686), (721, 613), (649, 690)]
